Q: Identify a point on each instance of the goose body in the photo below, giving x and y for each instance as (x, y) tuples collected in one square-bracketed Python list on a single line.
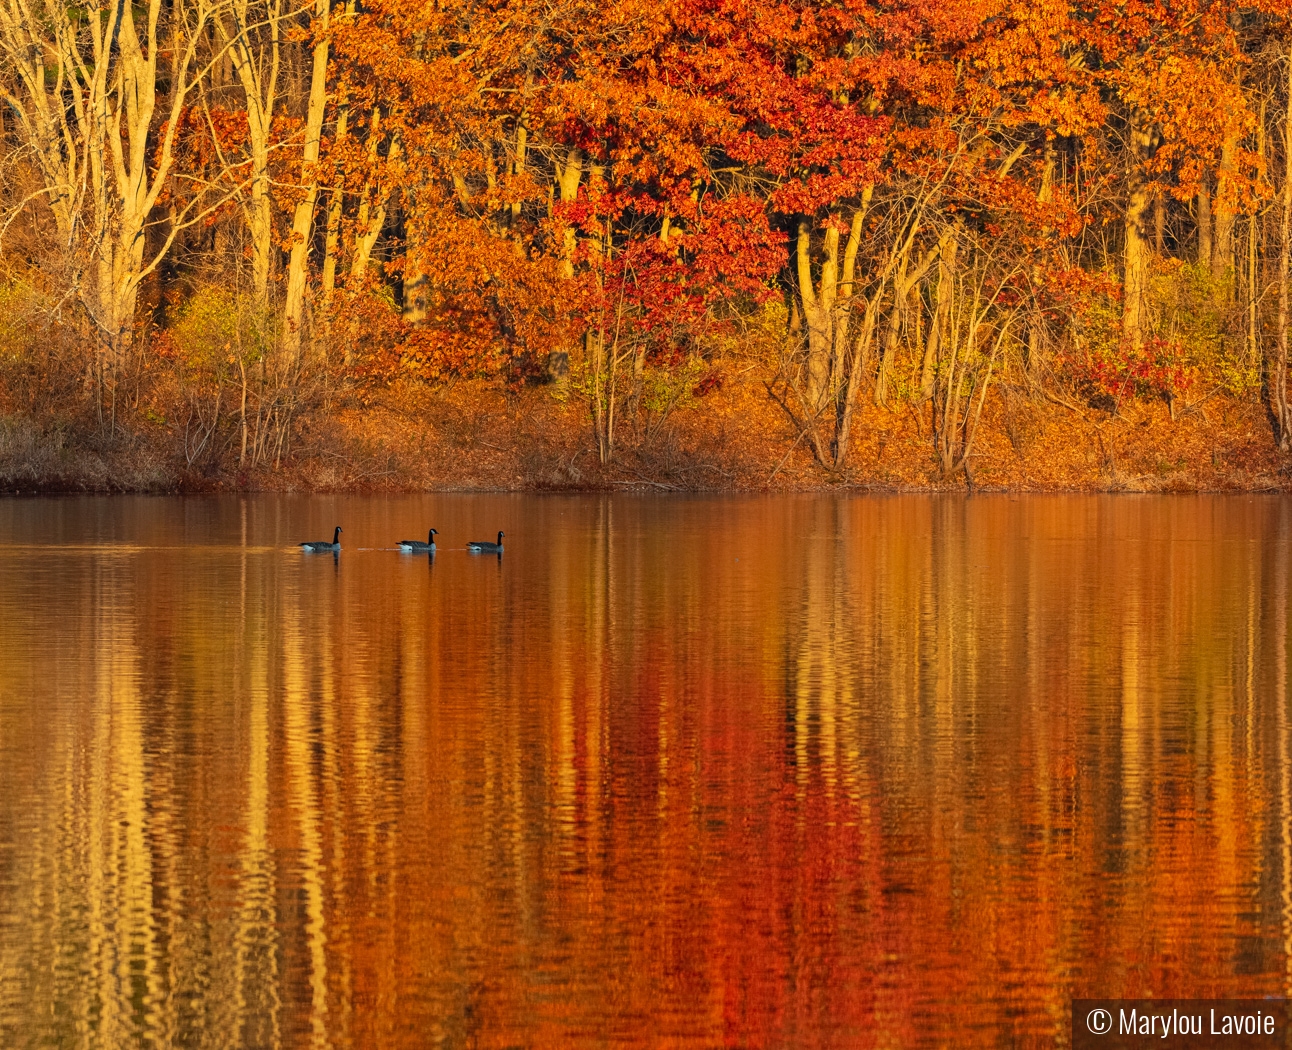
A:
[(485, 547), (417, 546), (320, 546)]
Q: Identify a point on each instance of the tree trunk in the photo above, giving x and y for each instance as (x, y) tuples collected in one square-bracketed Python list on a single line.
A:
[(938, 324), (257, 73), (1253, 256), (1137, 251), (1278, 374), (260, 223), (332, 246), (891, 339), (89, 117), (847, 289), (303, 221), (818, 309), (371, 219), (825, 307), (903, 284), (518, 165), (1224, 208), (568, 183), (1204, 227), (416, 282)]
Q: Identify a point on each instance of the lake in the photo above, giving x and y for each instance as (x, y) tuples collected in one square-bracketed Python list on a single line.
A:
[(789, 771)]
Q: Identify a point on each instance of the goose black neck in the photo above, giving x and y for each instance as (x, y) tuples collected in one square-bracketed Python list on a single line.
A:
[(430, 538), (336, 536), (500, 537)]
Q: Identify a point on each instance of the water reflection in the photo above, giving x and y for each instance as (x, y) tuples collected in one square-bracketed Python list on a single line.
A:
[(872, 772)]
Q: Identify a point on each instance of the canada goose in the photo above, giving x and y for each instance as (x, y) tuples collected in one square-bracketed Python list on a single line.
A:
[(417, 546), (485, 547), (319, 546)]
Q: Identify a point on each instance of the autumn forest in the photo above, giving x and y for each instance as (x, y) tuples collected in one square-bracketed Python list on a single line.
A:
[(680, 245)]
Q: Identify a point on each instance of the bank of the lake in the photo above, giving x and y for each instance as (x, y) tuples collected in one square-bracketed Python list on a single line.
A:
[(736, 438)]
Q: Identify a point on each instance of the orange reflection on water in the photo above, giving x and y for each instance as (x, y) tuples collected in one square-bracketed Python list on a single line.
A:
[(804, 771)]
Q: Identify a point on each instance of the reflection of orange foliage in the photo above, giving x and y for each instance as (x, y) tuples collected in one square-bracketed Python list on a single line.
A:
[(859, 773)]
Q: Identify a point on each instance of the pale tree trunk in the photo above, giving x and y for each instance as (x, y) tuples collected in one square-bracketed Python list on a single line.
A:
[(416, 281), (1253, 256), (1137, 251), (595, 357), (893, 336), (954, 439), (517, 166), (826, 305), (818, 308), (1224, 207), (1036, 323), (254, 51), (1204, 227), (1253, 313), (904, 284), (847, 288), (830, 374), (336, 201), (372, 207), (824, 384), (567, 181), (941, 317), (1278, 373), (82, 85), (303, 220)]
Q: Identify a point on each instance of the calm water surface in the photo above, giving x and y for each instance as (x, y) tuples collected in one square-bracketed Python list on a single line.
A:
[(674, 772)]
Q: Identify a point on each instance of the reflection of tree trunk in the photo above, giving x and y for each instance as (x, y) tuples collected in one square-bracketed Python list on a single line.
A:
[(256, 918), (302, 711), (1134, 775), (1279, 692), (822, 705), (123, 814)]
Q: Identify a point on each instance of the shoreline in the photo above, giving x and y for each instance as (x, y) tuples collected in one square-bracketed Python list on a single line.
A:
[(477, 438), (643, 488)]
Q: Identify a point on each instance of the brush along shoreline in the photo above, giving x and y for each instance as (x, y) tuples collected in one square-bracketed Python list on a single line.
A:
[(481, 439)]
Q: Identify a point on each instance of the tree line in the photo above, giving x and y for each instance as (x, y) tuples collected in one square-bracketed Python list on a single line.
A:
[(246, 209)]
